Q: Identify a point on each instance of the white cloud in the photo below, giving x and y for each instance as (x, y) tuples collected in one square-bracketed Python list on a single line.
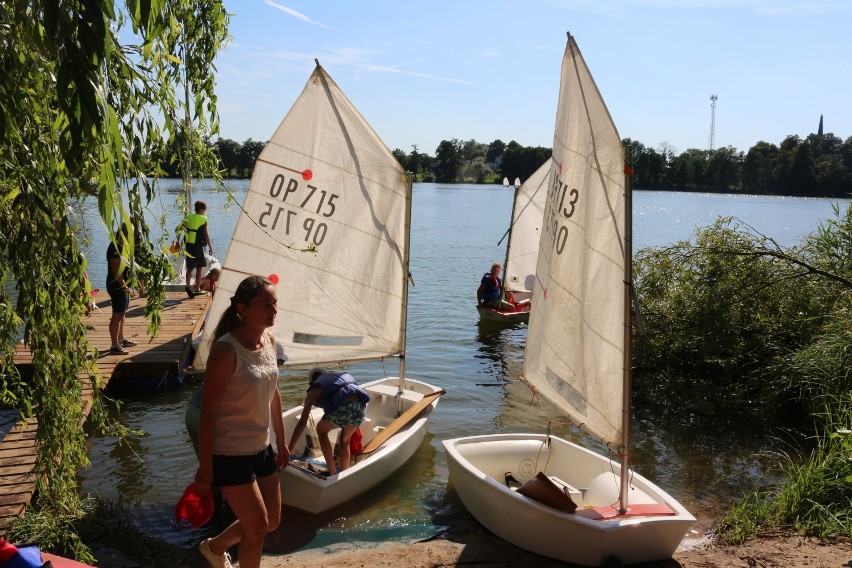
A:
[(295, 14)]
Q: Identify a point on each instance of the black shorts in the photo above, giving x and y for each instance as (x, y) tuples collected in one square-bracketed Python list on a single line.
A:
[(120, 299), (195, 256), (239, 470)]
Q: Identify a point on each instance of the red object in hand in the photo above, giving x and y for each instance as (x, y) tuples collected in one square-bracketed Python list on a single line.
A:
[(193, 510)]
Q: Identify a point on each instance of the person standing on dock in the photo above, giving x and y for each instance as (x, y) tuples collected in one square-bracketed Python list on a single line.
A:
[(119, 292), (196, 236), (240, 406)]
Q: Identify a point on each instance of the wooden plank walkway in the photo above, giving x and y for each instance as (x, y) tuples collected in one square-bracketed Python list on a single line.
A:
[(161, 357)]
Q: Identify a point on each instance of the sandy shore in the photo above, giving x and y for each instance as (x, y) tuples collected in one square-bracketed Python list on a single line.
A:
[(476, 547), (468, 544)]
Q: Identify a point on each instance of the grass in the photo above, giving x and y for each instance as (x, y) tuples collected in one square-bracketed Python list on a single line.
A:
[(815, 496), (101, 523)]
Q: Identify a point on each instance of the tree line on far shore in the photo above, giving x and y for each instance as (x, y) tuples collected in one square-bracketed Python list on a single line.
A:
[(819, 165)]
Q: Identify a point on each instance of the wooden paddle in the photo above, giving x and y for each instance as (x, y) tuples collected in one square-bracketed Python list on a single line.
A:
[(401, 421)]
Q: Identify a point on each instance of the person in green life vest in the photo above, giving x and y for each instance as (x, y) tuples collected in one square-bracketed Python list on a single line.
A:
[(196, 236)]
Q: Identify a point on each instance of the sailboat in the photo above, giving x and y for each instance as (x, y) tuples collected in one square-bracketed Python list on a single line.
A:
[(523, 235), (327, 219), (537, 491)]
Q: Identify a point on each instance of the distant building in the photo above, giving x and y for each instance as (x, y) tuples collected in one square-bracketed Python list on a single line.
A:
[(819, 132)]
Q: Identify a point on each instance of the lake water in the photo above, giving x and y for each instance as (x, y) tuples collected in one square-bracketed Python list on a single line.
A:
[(455, 231)]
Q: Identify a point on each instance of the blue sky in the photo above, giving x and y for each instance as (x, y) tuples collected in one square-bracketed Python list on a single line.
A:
[(422, 72)]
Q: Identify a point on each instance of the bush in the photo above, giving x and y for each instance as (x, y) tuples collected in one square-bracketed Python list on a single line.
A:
[(735, 324)]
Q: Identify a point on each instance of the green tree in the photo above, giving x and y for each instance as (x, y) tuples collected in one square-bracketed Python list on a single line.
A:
[(249, 152), (522, 161), (229, 152), (448, 161), (649, 167), (787, 151), (494, 152), (758, 172), (689, 169), (802, 179), (472, 150), (831, 176), (724, 169), (415, 161), (401, 157), (90, 94), (476, 170)]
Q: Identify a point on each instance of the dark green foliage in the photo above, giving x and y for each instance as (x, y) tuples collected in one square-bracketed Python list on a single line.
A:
[(735, 324), (814, 496), (448, 161), (522, 161), (818, 166), (92, 93)]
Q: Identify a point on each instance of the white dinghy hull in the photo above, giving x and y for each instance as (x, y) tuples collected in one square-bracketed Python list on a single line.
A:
[(477, 470), (312, 493)]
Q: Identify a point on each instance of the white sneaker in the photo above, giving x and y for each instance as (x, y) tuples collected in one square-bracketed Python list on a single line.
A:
[(215, 561)]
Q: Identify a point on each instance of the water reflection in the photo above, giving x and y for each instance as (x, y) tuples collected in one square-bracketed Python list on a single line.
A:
[(396, 508), (500, 352)]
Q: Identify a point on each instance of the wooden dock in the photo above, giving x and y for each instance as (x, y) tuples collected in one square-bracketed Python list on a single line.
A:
[(152, 360)]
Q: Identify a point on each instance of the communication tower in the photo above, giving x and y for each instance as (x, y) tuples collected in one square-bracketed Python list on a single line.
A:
[(713, 120)]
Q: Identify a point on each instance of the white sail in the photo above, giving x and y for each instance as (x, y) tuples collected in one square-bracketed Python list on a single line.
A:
[(525, 231), (325, 179), (575, 343), (577, 356)]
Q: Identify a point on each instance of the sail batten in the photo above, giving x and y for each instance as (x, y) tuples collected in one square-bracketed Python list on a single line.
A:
[(575, 342), (326, 215)]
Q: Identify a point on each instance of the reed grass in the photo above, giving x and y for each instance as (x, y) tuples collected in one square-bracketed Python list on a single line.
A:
[(815, 495)]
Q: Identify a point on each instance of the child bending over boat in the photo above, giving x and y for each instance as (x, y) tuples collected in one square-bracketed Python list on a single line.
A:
[(344, 403)]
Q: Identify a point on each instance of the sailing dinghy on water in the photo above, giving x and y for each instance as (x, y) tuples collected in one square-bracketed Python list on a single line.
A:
[(523, 235), (326, 180), (578, 354)]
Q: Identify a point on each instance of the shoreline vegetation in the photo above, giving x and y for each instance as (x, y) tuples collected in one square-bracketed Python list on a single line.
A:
[(820, 165)]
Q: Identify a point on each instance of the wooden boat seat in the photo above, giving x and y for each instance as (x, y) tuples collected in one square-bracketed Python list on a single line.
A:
[(389, 391)]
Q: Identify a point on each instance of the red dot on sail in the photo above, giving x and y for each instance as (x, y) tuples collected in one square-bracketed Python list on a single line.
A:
[(307, 175), (273, 278)]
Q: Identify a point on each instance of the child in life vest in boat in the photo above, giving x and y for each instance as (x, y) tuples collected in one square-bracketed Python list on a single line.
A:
[(491, 294), (344, 403)]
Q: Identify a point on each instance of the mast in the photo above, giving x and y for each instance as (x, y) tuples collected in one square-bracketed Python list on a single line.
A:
[(509, 241), (628, 332), (406, 276)]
